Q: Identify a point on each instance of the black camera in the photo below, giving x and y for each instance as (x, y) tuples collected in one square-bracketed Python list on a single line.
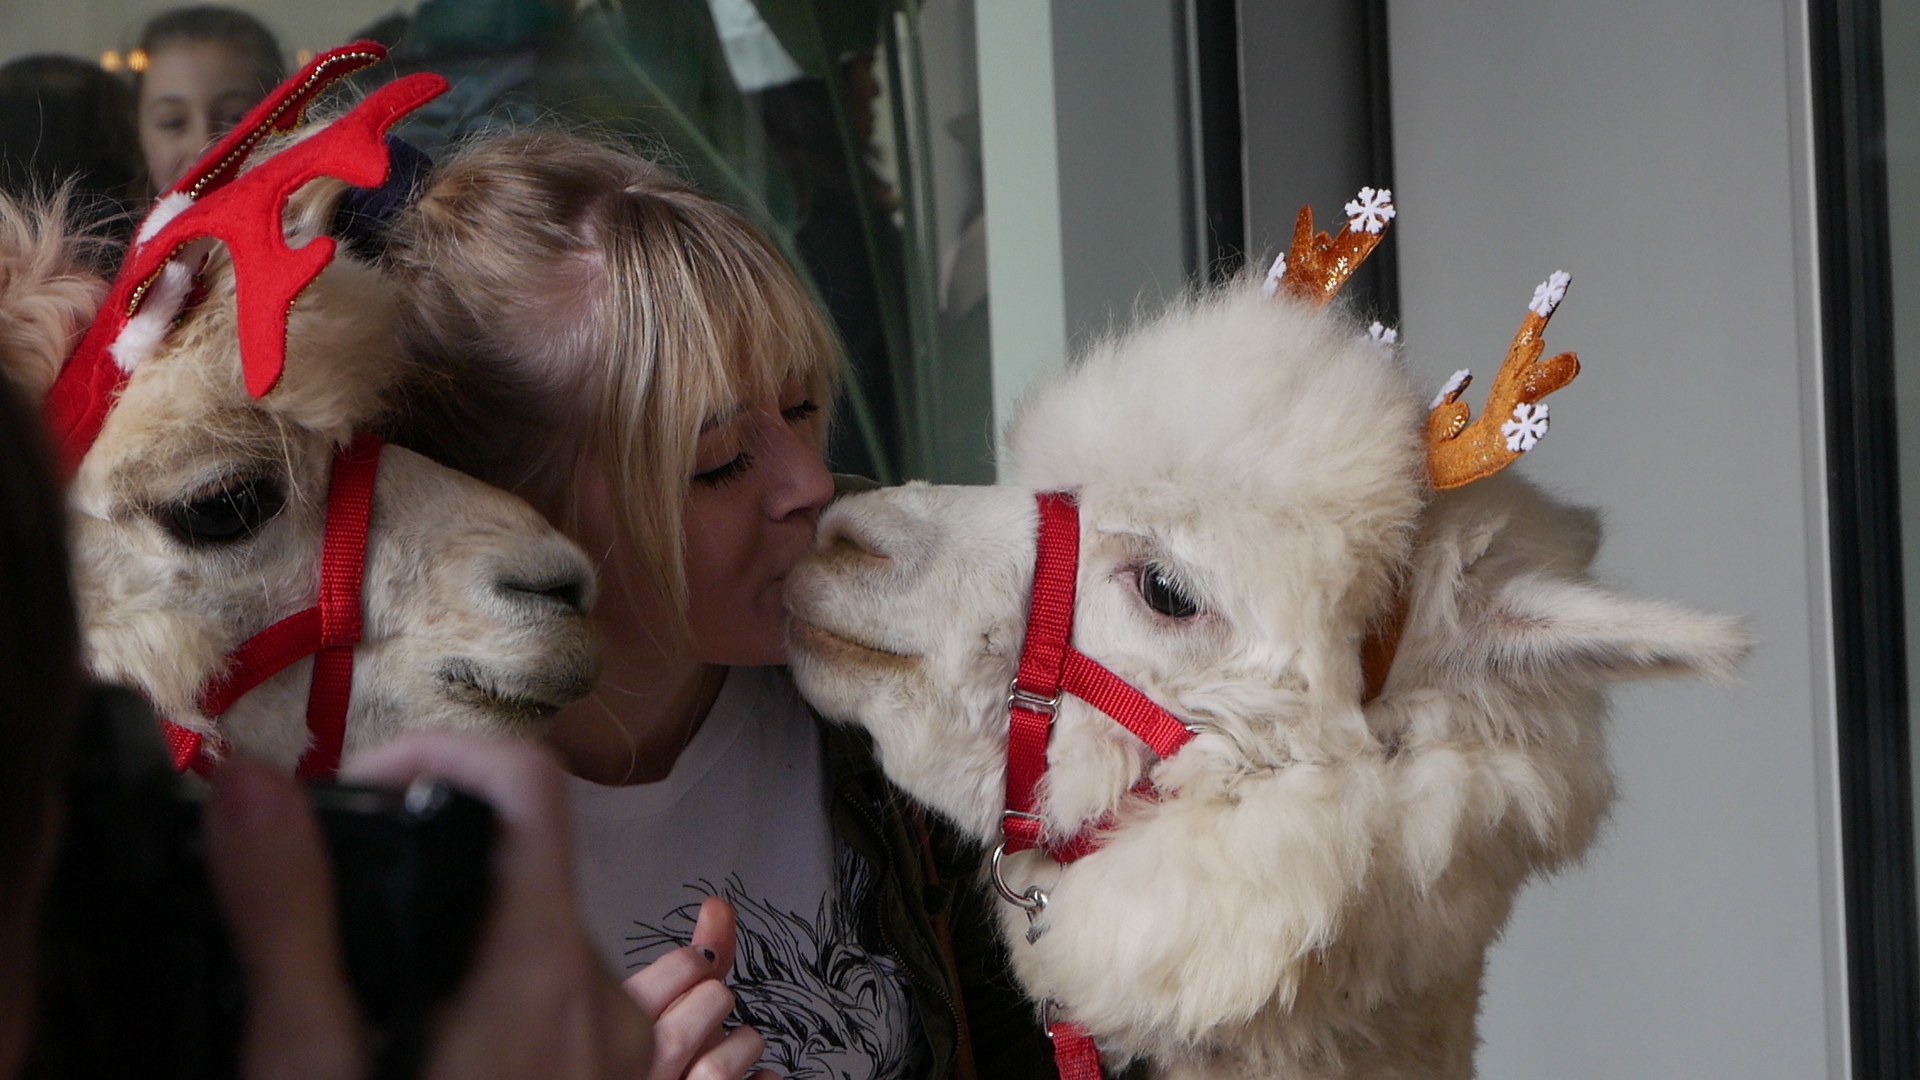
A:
[(137, 973)]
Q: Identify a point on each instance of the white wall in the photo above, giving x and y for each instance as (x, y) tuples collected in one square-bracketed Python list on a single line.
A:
[(1083, 148), (1658, 152)]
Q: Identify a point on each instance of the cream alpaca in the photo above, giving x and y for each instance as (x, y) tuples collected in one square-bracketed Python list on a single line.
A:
[(474, 608), (1315, 893)]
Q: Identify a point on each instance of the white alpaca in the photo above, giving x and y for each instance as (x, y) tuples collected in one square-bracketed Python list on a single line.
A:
[(1312, 885), (197, 514)]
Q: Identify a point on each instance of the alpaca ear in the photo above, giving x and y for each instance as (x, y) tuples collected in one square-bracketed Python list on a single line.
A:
[(47, 294), (1544, 627)]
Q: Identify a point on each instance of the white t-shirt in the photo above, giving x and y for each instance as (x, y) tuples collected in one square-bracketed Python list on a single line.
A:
[(743, 815)]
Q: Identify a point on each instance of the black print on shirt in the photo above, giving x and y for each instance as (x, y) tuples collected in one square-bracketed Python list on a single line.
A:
[(829, 1007)]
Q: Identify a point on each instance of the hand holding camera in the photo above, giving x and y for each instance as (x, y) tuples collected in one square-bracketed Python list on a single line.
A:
[(418, 919), (536, 1001)]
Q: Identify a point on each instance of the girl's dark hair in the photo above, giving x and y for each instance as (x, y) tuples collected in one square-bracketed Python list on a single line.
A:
[(211, 22), (65, 121)]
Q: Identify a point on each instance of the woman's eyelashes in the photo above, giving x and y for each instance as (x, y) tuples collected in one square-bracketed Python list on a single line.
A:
[(736, 467), (722, 475)]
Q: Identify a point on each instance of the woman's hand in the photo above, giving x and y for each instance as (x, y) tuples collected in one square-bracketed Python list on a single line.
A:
[(536, 1002), (683, 995)]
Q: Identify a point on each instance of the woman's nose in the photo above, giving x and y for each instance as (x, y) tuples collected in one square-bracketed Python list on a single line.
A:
[(801, 483)]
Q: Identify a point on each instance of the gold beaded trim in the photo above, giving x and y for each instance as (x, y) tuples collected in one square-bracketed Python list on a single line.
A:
[(276, 121), (296, 101)]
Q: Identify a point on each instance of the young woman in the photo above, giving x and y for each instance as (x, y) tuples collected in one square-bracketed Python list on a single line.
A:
[(639, 362), (204, 68)]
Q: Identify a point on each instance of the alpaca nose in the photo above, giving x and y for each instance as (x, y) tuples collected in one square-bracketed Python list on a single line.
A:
[(843, 533), (562, 581)]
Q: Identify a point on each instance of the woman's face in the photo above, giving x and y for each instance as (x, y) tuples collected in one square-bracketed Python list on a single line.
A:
[(191, 94), (756, 492)]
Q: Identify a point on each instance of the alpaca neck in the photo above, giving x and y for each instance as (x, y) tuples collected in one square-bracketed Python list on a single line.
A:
[(1425, 1036), (1428, 1036)]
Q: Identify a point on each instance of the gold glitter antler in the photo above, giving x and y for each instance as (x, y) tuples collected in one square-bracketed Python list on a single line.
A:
[(1317, 266), (1459, 452)]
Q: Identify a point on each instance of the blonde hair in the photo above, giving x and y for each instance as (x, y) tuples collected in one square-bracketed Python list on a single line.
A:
[(572, 301)]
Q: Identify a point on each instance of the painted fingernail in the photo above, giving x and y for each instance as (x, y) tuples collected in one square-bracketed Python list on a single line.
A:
[(710, 955)]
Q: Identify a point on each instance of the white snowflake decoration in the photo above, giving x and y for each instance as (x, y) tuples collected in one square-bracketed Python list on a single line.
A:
[(1547, 294), (1371, 211), (1458, 380), (1529, 423), (1274, 273), (1384, 336)]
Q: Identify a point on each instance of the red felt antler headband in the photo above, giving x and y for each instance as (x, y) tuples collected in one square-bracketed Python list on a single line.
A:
[(244, 211)]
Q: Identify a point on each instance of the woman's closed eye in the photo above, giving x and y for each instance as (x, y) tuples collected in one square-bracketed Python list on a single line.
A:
[(793, 414), (724, 474)]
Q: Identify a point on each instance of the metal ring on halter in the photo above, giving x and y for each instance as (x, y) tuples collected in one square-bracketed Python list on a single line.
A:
[(1030, 701), (1033, 901)]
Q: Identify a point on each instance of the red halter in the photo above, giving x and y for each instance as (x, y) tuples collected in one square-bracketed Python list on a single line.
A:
[(244, 210), (327, 631), (1049, 667)]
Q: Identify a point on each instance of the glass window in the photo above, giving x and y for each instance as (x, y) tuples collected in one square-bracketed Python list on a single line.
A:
[(849, 129)]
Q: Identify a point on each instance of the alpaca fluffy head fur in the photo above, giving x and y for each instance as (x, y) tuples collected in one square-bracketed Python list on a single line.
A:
[(474, 607), (1315, 891)]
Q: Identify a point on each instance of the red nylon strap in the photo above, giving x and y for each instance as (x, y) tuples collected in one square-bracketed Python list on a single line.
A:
[(1105, 691), (1051, 666), (1074, 1054), (1049, 623), (342, 562), (184, 748), (326, 631), (261, 657), (1050, 616)]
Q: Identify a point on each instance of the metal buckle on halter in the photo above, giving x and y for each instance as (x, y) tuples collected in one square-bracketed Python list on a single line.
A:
[(1020, 698), (1033, 901)]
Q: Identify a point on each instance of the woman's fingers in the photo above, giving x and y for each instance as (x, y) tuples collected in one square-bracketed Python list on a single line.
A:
[(714, 931), (732, 1058), (658, 985), (270, 873), (688, 1027), (710, 956)]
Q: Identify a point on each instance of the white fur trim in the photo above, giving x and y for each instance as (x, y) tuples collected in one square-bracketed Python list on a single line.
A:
[(148, 327), (163, 212)]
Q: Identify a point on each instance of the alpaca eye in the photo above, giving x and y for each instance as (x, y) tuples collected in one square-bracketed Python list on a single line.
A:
[(1164, 594), (233, 512)]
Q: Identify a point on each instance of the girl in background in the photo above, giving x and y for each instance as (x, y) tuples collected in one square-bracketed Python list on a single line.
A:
[(205, 67)]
